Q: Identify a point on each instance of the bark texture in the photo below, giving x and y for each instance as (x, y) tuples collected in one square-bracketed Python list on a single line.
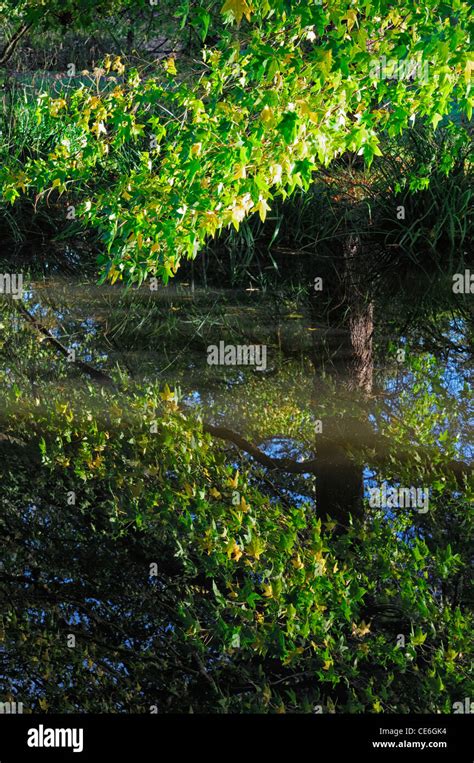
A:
[(344, 354)]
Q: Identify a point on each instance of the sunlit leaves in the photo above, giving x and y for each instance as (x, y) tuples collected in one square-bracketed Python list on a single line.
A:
[(237, 8), (208, 148)]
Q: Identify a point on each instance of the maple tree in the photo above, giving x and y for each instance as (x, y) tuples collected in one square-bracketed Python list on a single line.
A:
[(287, 87)]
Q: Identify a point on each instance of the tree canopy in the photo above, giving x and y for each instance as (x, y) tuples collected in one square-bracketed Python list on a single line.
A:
[(287, 87)]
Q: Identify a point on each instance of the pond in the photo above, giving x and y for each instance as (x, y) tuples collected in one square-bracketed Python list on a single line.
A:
[(167, 335)]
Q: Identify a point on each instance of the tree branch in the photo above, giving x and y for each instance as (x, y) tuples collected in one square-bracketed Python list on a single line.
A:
[(382, 449), (10, 47), (284, 464), (94, 373)]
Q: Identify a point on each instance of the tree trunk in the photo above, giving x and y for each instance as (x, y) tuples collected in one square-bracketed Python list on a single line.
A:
[(346, 355)]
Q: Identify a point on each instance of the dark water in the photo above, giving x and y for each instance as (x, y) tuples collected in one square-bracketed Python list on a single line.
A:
[(163, 336)]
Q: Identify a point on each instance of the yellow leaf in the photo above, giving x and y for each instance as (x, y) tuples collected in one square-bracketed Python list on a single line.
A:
[(234, 551), (268, 590), (114, 273), (351, 19), (43, 703), (167, 395), (118, 65), (21, 181), (56, 106), (208, 543), (262, 208), (237, 214), (214, 492), (306, 111), (276, 173), (240, 172), (211, 222), (297, 563), (320, 562), (238, 8), (233, 482), (394, 17), (170, 66), (361, 630), (267, 114)]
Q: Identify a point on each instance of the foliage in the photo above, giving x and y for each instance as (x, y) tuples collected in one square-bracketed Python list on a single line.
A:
[(256, 605), (192, 578), (285, 90)]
